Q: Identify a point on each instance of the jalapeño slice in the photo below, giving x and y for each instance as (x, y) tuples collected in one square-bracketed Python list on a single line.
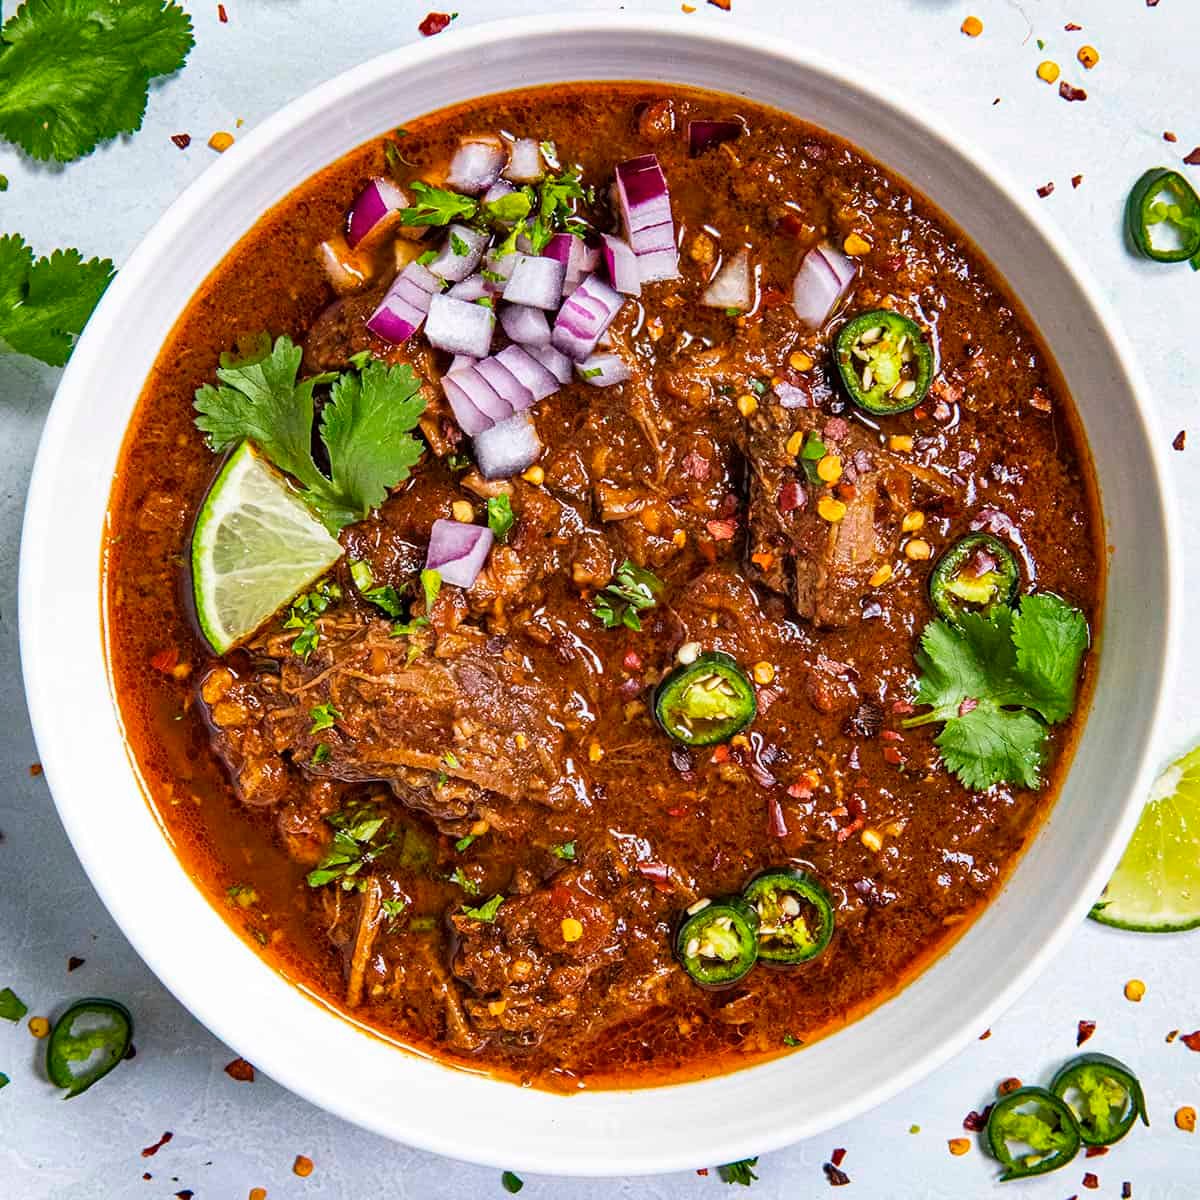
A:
[(1105, 1096), (1162, 217), (717, 942), (795, 915), (705, 701), (87, 1041), (885, 362), (1030, 1132), (976, 574)]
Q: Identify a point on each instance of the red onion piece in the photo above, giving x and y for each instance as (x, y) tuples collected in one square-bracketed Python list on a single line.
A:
[(474, 401), (455, 267), (703, 134), (372, 204), (505, 384), (526, 325), (658, 265), (476, 164), (557, 363), (524, 161), (791, 396), (507, 448), (457, 551), (535, 281), (585, 315), (731, 287), (532, 373), (500, 265), (474, 287), (459, 326), (405, 306), (775, 821), (498, 190), (460, 362), (821, 283), (603, 370), (642, 196), (622, 265), (656, 237), (576, 255)]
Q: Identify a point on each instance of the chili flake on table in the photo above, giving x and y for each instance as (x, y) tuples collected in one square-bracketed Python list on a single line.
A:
[(435, 22)]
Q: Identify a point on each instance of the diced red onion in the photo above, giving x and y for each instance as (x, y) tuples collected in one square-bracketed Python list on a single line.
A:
[(524, 161), (603, 370), (460, 362), (791, 396), (622, 265), (557, 363), (576, 255), (657, 237), (453, 266), (530, 371), (500, 265), (459, 326), (821, 283), (373, 203), (658, 265), (585, 315), (505, 384), (507, 448), (474, 287), (703, 134), (405, 306), (535, 281), (642, 196), (497, 191), (731, 286), (457, 551), (526, 325), (476, 164), (775, 821), (428, 282), (474, 401)]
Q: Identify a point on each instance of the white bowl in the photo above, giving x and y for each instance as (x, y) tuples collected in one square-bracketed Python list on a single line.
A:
[(419, 1101)]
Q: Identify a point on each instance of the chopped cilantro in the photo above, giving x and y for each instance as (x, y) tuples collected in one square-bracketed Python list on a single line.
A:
[(591, 372), (633, 590), (511, 1183), (464, 842), (491, 277), (361, 574), (565, 850), (74, 73), (500, 516), (733, 311), (790, 1040), (320, 754), (451, 760), (555, 210), (431, 584), (393, 910), (365, 427), (460, 248), (996, 682), (356, 844), (12, 1007), (408, 628), (511, 207), (758, 386), (304, 612), (362, 360), (437, 206), (324, 716), (550, 154), (4, 1079), (739, 1172), (486, 302), (45, 303), (459, 879), (486, 911), (3, 183), (426, 258)]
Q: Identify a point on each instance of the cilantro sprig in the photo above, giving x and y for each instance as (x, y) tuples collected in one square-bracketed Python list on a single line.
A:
[(741, 1171), (45, 302), (365, 427), (998, 683), (437, 206), (357, 843), (75, 73), (632, 591)]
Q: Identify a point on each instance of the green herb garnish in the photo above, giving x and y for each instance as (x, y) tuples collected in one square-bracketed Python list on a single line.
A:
[(304, 612), (356, 845), (12, 1007), (996, 682), (485, 912), (437, 206), (464, 842), (460, 247), (565, 850), (365, 427), (739, 1172), (811, 454), (511, 1183), (324, 716), (500, 516), (633, 590), (431, 584), (511, 207), (393, 910), (459, 879), (320, 754)]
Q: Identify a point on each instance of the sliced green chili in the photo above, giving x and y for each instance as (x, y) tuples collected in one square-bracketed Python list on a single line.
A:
[(976, 574), (705, 701), (1105, 1096), (795, 915), (87, 1041), (1030, 1132), (1162, 217), (717, 942), (885, 361)]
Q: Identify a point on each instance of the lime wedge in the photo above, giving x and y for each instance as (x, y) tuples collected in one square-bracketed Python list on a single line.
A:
[(1156, 886), (255, 546)]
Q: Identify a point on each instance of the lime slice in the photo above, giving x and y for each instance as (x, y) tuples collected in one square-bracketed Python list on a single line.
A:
[(255, 546), (1156, 886)]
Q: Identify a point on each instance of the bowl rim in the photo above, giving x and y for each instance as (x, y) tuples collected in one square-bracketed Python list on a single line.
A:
[(147, 257)]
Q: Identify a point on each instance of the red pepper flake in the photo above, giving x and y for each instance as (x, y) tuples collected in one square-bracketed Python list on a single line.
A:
[(164, 660), (799, 791), (893, 263), (1193, 159), (1086, 1029), (776, 823), (185, 1194), (721, 754), (74, 962), (1168, 136), (222, 15), (1045, 190), (1126, 1190), (1180, 440), (1076, 180), (772, 297), (723, 5), (893, 756), (891, 735), (791, 496), (632, 661), (836, 1176), (721, 531), (968, 704), (1191, 1040), (901, 707), (656, 872), (1006, 1086), (702, 1171), (838, 1157), (696, 465), (35, 769), (182, 140), (1067, 92), (240, 1070), (147, 1176), (676, 812), (987, 1033), (791, 224), (151, 1151), (976, 1122), (848, 831), (1071, 27), (1091, 1181), (435, 22), (1095, 1151)]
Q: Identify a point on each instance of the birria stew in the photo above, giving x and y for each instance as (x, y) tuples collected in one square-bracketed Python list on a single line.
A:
[(601, 584)]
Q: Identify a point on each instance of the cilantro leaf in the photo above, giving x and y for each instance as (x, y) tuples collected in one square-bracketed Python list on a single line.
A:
[(969, 660), (45, 303), (500, 516), (74, 73), (436, 206), (356, 844), (431, 585), (739, 1172), (1051, 638), (460, 879), (365, 427), (633, 590), (485, 912), (988, 744), (564, 850), (324, 716)]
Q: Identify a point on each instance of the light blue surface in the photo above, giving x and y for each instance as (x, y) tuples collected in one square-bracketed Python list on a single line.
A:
[(230, 1137)]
